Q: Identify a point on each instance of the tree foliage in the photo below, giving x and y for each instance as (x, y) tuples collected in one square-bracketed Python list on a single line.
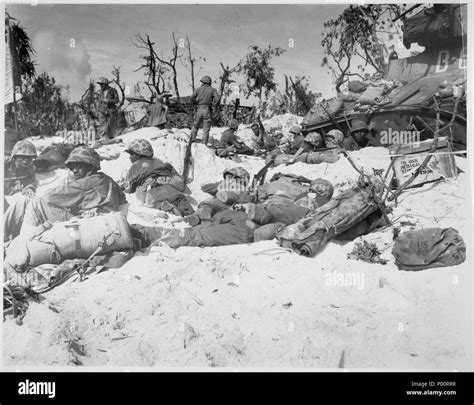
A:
[(361, 33), (42, 110), (258, 71), (21, 45)]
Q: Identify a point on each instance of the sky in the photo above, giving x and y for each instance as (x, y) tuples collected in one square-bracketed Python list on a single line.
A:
[(77, 42)]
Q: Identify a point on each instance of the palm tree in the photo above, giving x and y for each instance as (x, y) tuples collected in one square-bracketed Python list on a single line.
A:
[(23, 52)]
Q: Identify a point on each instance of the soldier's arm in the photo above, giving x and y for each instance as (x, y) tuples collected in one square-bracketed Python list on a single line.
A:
[(193, 97)]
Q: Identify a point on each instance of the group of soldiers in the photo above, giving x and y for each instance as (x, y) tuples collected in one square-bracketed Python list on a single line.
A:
[(205, 98), (156, 184)]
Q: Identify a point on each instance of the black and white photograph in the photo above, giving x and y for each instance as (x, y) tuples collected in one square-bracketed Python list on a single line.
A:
[(237, 187)]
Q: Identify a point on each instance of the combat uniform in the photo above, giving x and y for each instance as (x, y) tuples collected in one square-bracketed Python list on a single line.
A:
[(205, 97)]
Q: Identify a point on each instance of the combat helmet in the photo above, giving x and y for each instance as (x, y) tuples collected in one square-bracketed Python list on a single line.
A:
[(103, 80), (233, 124), (314, 138), (373, 182), (238, 172), (334, 138), (206, 80), (323, 190), (141, 147), (359, 125), (23, 148), (83, 154)]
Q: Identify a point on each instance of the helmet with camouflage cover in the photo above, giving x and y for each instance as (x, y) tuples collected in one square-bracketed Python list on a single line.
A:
[(359, 125), (323, 189), (103, 80), (295, 129), (373, 182), (141, 147), (206, 80), (314, 138), (334, 138), (238, 172), (82, 154), (233, 124), (23, 148)]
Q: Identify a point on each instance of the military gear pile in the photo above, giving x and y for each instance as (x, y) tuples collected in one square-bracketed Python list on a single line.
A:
[(349, 209)]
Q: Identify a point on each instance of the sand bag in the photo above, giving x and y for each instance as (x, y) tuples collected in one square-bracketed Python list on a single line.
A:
[(371, 96), (428, 248), (310, 235), (328, 156), (356, 86), (75, 239), (318, 114)]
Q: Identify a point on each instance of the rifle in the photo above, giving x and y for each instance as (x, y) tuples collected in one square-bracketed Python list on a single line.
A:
[(14, 178), (187, 157), (260, 176)]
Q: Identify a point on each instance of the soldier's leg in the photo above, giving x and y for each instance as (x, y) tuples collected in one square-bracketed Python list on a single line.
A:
[(197, 122), (101, 125), (206, 126)]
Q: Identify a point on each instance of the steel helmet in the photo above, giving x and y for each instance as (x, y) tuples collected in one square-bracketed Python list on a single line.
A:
[(372, 181), (82, 154), (233, 124), (334, 138), (24, 148), (140, 147), (314, 138), (103, 80), (295, 129), (322, 188), (238, 172), (206, 80), (358, 125)]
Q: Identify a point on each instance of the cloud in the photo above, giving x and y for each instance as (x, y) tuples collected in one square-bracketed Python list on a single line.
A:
[(66, 59)]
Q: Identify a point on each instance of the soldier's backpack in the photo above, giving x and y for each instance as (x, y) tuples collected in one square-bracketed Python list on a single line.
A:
[(428, 248)]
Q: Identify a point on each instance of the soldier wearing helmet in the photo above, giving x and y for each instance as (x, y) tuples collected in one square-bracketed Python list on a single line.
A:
[(155, 183), (138, 149), (83, 162), (237, 178), (19, 186), (359, 136), (334, 139), (87, 192), (106, 109), (302, 145), (205, 97), (157, 113), (229, 140), (20, 169)]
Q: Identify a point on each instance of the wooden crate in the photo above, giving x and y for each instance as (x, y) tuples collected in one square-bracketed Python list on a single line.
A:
[(441, 164)]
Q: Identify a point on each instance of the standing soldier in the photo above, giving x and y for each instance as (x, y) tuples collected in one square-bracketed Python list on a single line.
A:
[(205, 97), (157, 113), (107, 109)]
